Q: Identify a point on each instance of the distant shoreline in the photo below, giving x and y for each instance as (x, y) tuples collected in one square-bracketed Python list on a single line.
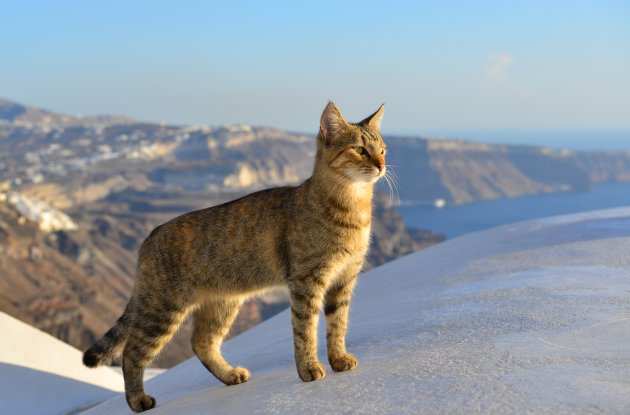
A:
[(603, 139)]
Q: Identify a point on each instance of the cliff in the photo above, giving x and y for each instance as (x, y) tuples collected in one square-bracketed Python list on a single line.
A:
[(96, 187), (464, 172)]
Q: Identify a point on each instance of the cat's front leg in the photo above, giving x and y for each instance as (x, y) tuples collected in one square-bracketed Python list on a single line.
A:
[(306, 303), (336, 308)]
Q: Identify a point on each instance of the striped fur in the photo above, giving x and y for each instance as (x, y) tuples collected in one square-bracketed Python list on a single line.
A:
[(312, 238)]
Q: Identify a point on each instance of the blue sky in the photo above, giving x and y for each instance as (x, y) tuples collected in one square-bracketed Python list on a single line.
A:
[(439, 66)]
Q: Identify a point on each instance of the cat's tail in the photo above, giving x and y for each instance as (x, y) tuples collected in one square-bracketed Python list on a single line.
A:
[(111, 345)]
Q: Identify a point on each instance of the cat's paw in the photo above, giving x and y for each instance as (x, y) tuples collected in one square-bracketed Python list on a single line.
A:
[(236, 376), (312, 372), (141, 403), (343, 362)]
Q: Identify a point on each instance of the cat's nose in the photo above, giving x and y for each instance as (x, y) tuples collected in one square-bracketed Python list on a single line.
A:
[(379, 166)]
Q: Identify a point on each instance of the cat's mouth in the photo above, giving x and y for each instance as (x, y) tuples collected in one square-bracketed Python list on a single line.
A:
[(365, 174), (372, 174), (378, 175), (379, 172)]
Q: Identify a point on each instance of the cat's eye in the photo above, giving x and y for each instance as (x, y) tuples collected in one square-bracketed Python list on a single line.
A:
[(382, 150), (361, 150)]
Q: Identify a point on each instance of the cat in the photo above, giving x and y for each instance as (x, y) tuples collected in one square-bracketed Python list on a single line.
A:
[(312, 238)]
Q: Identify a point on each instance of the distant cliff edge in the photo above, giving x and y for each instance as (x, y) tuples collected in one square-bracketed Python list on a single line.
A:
[(463, 172)]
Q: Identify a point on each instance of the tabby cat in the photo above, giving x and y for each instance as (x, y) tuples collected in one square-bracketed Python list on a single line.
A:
[(312, 238)]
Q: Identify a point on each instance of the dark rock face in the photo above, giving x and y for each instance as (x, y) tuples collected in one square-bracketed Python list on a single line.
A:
[(49, 281), (63, 243), (391, 239)]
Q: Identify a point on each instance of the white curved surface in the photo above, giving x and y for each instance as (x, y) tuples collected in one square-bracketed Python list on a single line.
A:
[(42, 375), (531, 317)]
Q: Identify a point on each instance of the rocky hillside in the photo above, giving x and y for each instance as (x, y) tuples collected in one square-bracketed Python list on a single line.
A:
[(78, 197), (79, 194), (44, 283), (74, 284), (69, 161), (19, 114)]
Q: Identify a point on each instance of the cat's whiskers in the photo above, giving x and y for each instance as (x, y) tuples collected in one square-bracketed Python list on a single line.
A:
[(389, 185), (392, 181), (396, 182)]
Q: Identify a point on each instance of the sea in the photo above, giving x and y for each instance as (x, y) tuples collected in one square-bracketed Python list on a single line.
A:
[(455, 221)]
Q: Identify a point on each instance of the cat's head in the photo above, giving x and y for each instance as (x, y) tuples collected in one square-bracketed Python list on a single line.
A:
[(355, 152)]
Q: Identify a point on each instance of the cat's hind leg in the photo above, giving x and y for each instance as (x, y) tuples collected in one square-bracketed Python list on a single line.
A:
[(211, 323), (155, 320)]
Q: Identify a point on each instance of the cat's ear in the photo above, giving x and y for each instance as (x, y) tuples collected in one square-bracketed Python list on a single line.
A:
[(332, 121), (374, 120)]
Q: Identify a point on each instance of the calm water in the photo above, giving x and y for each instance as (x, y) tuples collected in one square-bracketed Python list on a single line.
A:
[(458, 220)]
